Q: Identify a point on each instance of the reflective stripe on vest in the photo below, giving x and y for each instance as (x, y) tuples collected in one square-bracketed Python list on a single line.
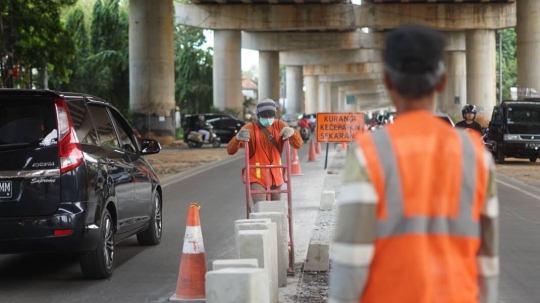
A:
[(397, 224)]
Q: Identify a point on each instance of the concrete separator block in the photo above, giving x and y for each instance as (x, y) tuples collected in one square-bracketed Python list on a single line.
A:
[(235, 263), (328, 198), (270, 206), (282, 242), (271, 227), (318, 258), (237, 285), (256, 244)]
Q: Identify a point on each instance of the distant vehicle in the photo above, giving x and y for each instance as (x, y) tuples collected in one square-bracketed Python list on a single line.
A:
[(292, 119), (514, 130), (224, 126), (73, 178)]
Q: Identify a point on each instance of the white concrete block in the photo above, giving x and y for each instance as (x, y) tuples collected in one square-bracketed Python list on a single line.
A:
[(282, 242), (237, 285), (318, 258), (328, 198), (270, 206), (256, 244), (235, 263), (272, 246)]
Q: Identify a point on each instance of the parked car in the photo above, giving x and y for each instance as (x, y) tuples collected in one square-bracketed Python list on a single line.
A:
[(224, 126), (514, 130), (292, 119), (73, 178)]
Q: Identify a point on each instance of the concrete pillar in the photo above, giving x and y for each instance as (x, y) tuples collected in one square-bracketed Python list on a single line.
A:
[(481, 73), (528, 43), (269, 75), (227, 73), (151, 68), (341, 100), (295, 91), (333, 99), (454, 97), (323, 96), (312, 94)]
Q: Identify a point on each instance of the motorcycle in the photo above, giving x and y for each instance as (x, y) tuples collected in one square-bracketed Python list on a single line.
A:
[(196, 139), (305, 133)]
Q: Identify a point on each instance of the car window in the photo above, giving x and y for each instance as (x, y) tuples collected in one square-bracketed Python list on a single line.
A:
[(124, 132), (216, 122), (27, 121), (82, 122), (104, 126)]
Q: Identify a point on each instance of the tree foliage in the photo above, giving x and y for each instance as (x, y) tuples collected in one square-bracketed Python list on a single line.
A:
[(193, 69), (509, 61), (32, 29), (101, 64)]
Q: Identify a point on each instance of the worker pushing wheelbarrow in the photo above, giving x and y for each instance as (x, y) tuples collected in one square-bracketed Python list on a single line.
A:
[(264, 173)]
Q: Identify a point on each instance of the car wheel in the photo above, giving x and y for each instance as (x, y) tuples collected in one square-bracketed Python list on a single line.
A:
[(532, 159), (152, 235), (99, 263), (500, 156)]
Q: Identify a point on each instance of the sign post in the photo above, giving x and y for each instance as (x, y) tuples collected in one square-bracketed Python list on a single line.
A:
[(337, 128)]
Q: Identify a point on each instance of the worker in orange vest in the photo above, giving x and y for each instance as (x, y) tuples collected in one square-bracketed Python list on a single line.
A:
[(266, 139), (418, 205)]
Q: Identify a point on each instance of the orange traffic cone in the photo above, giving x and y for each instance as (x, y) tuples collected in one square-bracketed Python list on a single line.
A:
[(344, 145), (295, 165), (312, 155), (318, 148), (191, 279)]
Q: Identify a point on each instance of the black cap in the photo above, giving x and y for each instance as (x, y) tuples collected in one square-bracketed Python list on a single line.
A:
[(413, 48)]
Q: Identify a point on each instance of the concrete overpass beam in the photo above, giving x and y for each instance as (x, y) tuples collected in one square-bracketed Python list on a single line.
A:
[(227, 73), (307, 57), (342, 69), (528, 43), (350, 77), (151, 68), (295, 89), (269, 75), (450, 16), (290, 41), (481, 72), (312, 94)]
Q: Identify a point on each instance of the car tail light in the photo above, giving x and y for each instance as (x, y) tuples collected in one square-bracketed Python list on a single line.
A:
[(189, 129), (62, 232), (68, 145)]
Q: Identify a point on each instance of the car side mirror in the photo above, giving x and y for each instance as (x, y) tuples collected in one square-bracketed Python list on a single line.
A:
[(150, 146)]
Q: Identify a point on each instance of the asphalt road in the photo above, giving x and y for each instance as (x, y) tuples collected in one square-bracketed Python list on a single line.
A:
[(142, 274), (149, 274)]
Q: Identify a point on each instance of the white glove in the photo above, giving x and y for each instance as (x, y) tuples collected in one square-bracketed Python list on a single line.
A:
[(243, 135), (286, 133)]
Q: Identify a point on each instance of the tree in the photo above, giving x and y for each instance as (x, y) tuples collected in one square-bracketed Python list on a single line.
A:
[(193, 71), (101, 64), (509, 61), (32, 27)]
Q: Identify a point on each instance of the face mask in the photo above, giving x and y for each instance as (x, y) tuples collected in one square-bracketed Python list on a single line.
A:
[(266, 121)]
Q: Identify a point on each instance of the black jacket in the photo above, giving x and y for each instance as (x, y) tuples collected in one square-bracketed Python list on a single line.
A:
[(474, 125)]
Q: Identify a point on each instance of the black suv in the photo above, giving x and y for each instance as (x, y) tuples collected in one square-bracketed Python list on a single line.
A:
[(73, 178), (224, 126), (514, 130)]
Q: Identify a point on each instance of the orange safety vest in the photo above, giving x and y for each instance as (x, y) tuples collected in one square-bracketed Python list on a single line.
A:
[(261, 157), (430, 198)]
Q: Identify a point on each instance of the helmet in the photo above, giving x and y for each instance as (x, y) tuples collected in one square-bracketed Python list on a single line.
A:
[(201, 117), (469, 108)]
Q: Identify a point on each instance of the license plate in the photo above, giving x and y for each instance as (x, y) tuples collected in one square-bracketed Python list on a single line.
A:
[(6, 189), (532, 145)]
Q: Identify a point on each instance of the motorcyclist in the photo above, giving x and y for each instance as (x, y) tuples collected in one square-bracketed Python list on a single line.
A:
[(305, 122), (469, 114), (201, 128)]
